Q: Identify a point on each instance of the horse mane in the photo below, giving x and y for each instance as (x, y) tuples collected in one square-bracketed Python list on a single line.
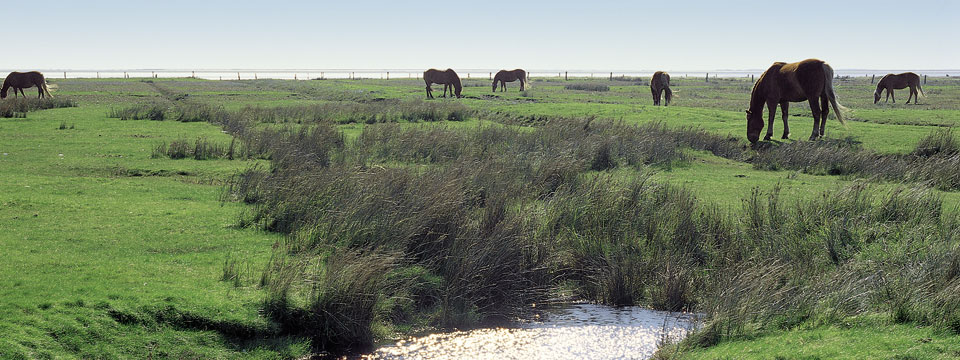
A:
[(758, 94)]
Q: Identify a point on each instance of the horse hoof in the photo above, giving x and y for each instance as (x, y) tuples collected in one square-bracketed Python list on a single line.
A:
[(785, 136), (767, 138)]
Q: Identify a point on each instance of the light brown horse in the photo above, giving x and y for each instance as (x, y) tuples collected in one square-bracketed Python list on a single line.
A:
[(890, 82), (446, 77), (809, 80), (504, 76), (20, 81), (660, 84)]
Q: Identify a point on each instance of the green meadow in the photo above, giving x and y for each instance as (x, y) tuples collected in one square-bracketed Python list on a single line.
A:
[(236, 223)]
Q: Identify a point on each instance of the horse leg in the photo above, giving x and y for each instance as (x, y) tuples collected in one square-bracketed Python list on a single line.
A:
[(772, 108), (894, 96), (825, 111), (521, 84), (429, 92), (815, 109), (785, 114), (888, 97), (656, 97)]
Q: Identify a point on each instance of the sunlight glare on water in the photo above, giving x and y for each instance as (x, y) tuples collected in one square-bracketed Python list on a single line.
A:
[(580, 331)]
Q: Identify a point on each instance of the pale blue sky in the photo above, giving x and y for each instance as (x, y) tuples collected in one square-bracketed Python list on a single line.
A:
[(614, 35)]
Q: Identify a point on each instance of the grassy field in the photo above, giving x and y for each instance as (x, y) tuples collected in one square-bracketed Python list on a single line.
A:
[(241, 224)]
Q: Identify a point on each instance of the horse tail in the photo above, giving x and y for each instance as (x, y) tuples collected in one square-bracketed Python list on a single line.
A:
[(43, 85), (921, 89), (667, 95), (831, 95)]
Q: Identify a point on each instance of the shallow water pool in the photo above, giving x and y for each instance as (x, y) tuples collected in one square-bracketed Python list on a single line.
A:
[(578, 331)]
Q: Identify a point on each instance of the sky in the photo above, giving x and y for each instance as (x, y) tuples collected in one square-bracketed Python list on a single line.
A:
[(542, 35)]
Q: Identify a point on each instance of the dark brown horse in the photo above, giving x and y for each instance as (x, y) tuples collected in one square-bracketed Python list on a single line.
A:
[(890, 82), (446, 77), (809, 80), (19, 81), (504, 76), (660, 84)]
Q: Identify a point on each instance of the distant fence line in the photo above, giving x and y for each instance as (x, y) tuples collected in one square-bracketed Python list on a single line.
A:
[(394, 74)]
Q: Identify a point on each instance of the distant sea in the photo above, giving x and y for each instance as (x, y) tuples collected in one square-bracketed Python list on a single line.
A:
[(305, 74)]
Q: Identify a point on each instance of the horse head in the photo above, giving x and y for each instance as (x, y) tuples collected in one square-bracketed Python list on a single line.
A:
[(876, 96), (494, 85), (3, 93), (754, 126)]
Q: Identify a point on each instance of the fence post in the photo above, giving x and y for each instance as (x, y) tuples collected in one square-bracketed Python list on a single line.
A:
[(708, 77), (611, 76), (193, 74), (64, 74), (153, 74), (490, 75), (751, 78), (321, 75), (874, 76), (98, 76), (924, 79), (295, 76), (255, 76), (388, 75), (558, 74), (238, 76), (565, 78)]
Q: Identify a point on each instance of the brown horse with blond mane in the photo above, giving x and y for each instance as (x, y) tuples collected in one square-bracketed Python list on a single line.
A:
[(890, 82), (808, 80), (505, 76), (660, 84), (19, 81), (448, 78)]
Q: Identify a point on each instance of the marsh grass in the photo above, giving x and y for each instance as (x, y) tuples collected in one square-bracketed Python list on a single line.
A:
[(19, 107), (587, 87), (199, 149), (935, 161), (143, 111), (342, 112), (501, 216)]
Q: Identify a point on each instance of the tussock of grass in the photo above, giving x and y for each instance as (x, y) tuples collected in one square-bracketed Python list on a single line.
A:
[(200, 149)]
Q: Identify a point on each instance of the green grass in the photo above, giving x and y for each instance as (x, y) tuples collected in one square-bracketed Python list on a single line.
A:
[(869, 340), (110, 252), (93, 226)]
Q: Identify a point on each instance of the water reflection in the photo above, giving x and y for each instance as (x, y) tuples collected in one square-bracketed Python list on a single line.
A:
[(580, 331)]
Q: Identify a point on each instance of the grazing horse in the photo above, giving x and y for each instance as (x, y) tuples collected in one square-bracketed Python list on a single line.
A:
[(20, 81), (504, 76), (446, 77), (660, 84), (890, 82), (809, 80)]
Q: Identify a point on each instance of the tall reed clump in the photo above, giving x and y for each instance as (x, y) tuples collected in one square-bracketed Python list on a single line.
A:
[(18, 107)]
